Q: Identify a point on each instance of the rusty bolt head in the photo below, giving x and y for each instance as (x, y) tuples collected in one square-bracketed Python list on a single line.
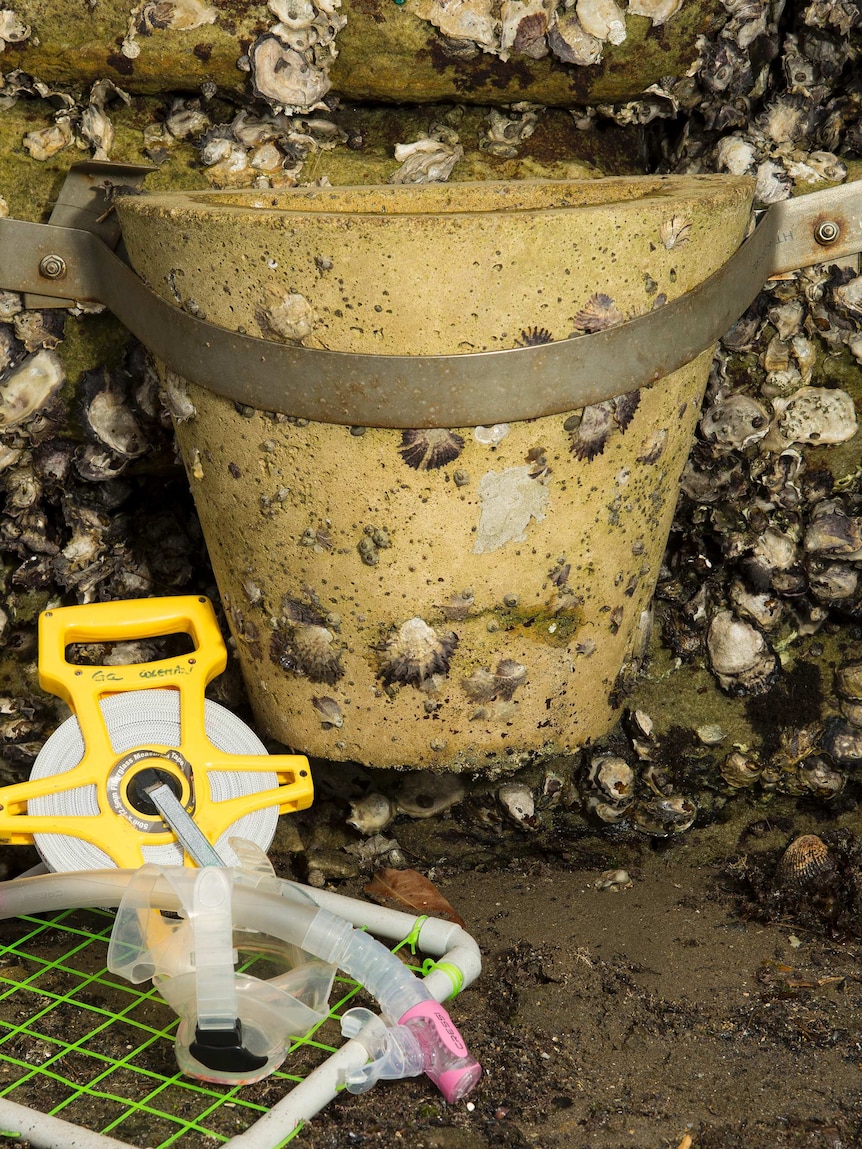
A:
[(52, 267), (826, 232)]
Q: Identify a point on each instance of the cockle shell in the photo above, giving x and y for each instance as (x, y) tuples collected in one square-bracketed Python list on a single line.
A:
[(805, 864)]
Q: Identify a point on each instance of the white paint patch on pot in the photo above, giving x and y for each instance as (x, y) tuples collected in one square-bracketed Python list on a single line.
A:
[(510, 499)]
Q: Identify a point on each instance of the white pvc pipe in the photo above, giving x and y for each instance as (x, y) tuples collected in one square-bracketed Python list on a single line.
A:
[(52, 1132)]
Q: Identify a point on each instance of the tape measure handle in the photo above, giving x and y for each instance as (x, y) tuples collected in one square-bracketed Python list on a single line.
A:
[(126, 621)]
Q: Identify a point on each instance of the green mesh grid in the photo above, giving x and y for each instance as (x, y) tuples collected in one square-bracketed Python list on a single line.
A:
[(80, 1044)]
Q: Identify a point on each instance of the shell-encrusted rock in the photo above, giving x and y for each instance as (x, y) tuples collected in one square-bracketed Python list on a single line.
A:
[(815, 415), (735, 423), (329, 712), (425, 161), (598, 313), (371, 814), (428, 448), (517, 801), (658, 10), (603, 19), (740, 657), (570, 43), (30, 387), (422, 794), (415, 652), (806, 864)]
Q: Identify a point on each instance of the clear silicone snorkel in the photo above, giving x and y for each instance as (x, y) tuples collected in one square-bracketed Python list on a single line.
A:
[(236, 1028)]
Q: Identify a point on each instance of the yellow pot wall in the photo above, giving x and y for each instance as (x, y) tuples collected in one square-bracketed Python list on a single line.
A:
[(327, 540)]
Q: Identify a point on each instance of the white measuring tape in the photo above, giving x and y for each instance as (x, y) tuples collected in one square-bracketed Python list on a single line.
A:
[(138, 718)]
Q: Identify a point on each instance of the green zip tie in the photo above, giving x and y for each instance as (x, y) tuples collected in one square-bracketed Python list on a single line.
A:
[(412, 938), (451, 971)]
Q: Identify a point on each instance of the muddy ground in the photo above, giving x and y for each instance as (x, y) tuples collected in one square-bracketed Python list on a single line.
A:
[(695, 1006)]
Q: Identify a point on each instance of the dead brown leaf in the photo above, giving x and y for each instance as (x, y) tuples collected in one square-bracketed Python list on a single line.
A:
[(412, 889)]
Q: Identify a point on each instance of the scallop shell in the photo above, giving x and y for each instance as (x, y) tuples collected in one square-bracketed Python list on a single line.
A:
[(805, 863)]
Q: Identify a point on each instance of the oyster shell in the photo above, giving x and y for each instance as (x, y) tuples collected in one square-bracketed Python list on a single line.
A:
[(30, 387), (740, 657)]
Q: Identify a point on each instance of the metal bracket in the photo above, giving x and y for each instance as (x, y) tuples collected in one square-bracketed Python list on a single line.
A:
[(86, 202), (432, 390)]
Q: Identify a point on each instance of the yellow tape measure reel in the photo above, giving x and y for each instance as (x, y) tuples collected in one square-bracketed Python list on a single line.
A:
[(84, 806)]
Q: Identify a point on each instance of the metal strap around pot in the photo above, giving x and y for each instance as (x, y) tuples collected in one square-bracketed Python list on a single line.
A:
[(435, 390)]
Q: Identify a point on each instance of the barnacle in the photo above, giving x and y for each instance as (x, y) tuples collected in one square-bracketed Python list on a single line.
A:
[(285, 315), (590, 436), (457, 606), (625, 407), (308, 649), (428, 448), (533, 337), (598, 312), (674, 232), (415, 652)]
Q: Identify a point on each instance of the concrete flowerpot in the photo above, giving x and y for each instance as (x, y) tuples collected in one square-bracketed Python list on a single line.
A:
[(467, 598)]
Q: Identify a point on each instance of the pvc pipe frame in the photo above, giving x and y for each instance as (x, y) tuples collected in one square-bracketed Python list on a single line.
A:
[(450, 943)]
